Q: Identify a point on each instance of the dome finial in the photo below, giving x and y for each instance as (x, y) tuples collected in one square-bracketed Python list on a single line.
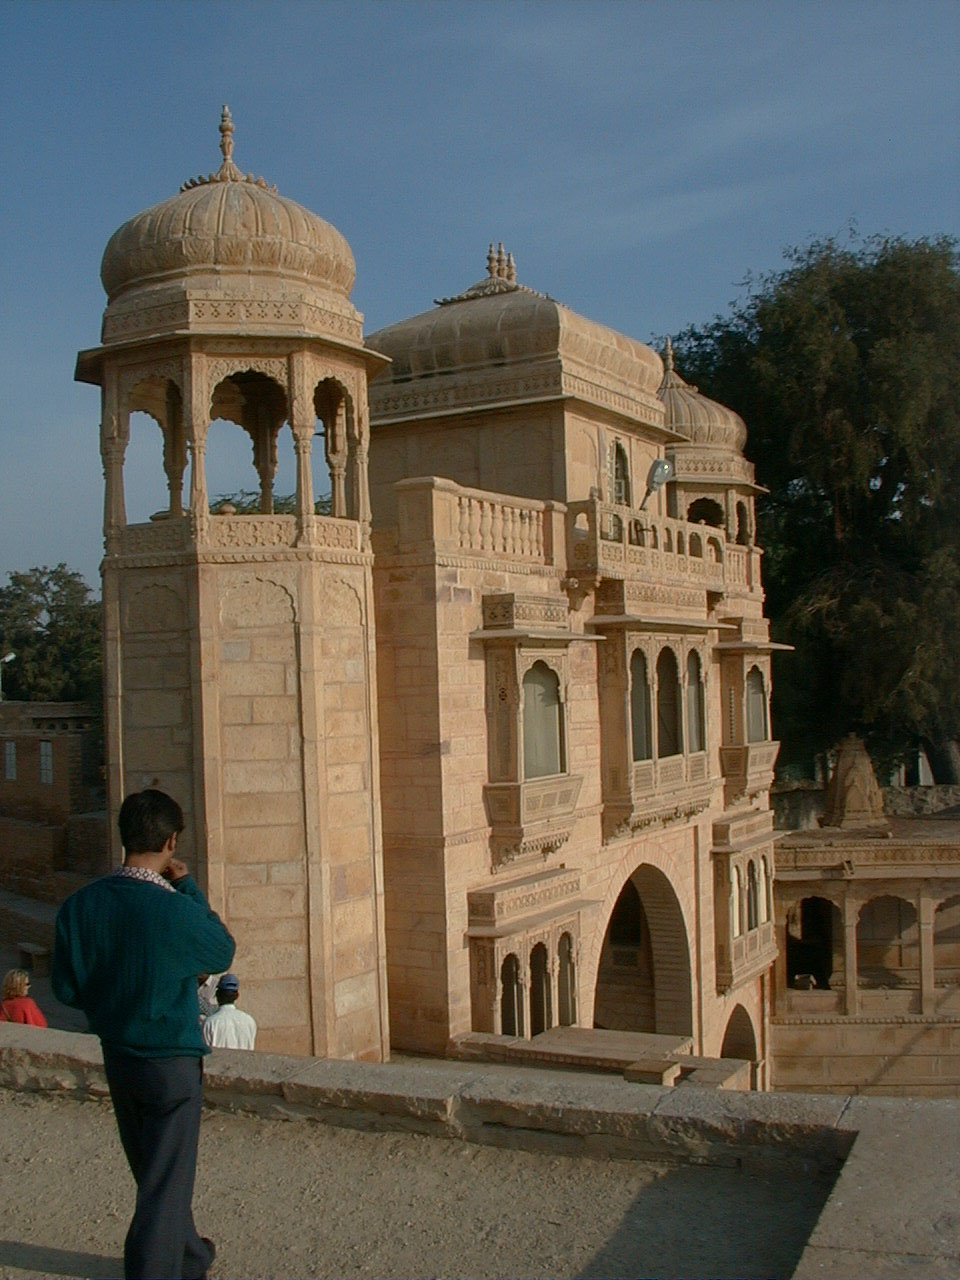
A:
[(491, 261), (501, 262), (226, 133), (668, 355), (511, 269)]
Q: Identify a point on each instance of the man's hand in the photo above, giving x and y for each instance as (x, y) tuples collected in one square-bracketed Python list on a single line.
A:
[(175, 870)]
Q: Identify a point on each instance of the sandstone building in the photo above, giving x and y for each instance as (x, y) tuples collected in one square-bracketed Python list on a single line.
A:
[(487, 747)]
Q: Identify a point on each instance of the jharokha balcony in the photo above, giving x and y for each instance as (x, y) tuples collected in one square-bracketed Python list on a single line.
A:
[(609, 541)]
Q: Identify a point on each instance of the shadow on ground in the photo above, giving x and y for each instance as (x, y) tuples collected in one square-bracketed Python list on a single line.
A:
[(36, 1259), (692, 1222)]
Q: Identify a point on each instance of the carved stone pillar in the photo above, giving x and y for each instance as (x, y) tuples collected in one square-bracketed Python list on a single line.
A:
[(197, 425), (780, 975), (114, 434), (523, 978), (174, 449), (926, 910), (554, 1011), (851, 911)]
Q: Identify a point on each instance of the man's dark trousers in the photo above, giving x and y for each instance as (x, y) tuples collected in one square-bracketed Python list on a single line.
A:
[(157, 1102)]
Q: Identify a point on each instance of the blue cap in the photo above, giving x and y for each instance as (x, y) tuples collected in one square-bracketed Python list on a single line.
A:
[(229, 982)]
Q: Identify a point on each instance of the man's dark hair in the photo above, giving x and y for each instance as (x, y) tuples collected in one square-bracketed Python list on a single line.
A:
[(147, 820), (226, 997)]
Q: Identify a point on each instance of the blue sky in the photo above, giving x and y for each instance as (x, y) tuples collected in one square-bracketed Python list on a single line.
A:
[(639, 159)]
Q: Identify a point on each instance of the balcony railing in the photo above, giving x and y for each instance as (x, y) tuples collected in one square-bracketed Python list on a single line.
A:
[(610, 540), (748, 768)]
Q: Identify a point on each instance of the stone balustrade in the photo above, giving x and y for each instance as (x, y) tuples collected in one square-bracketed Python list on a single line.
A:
[(617, 541), (456, 520)]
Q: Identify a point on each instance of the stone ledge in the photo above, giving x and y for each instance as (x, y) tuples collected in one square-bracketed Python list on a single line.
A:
[(580, 1112), (892, 1210)]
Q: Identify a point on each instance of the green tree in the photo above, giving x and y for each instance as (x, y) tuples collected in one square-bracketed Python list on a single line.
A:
[(49, 621), (846, 367)]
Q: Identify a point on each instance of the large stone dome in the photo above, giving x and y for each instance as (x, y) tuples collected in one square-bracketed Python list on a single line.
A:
[(228, 221), (500, 340)]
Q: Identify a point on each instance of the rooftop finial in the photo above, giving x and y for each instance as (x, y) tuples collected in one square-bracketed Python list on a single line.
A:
[(491, 262), (226, 133), (501, 262), (228, 171), (668, 356), (511, 269)]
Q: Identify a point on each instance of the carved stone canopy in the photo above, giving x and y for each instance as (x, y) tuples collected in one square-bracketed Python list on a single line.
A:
[(854, 800), (227, 221), (702, 420)]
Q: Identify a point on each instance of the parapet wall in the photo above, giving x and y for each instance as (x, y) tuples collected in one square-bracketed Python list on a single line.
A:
[(892, 1210)]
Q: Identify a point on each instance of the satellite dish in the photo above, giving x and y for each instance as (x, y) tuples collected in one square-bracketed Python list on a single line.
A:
[(660, 472)]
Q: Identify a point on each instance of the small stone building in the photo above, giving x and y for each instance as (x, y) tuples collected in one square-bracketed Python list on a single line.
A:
[(486, 746), (867, 992), (52, 828)]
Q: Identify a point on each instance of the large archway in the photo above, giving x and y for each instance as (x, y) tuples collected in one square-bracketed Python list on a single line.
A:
[(644, 978), (739, 1039)]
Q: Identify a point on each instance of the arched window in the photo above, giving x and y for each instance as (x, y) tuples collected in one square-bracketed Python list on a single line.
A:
[(765, 891), (669, 736), (511, 1003), (543, 749), (736, 896), (681, 548), (752, 897), (705, 511), (756, 707), (621, 476), (696, 546), (696, 735), (541, 1012), (567, 983), (640, 707)]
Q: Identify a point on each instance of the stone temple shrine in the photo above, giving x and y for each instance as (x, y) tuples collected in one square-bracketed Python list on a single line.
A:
[(480, 745)]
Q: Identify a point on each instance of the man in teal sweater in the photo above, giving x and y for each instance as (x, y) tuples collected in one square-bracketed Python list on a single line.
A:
[(128, 950)]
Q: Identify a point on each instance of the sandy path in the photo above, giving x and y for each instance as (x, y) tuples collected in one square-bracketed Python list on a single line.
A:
[(306, 1200)]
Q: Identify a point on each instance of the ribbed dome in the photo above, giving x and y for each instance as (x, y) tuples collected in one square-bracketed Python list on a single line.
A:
[(700, 419), (231, 222)]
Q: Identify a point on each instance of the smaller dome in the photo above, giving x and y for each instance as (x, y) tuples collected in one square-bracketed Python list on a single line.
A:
[(227, 221), (700, 419)]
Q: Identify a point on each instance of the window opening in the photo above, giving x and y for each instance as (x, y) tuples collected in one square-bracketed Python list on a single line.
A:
[(696, 737), (669, 737), (756, 707), (543, 748), (46, 763), (640, 707)]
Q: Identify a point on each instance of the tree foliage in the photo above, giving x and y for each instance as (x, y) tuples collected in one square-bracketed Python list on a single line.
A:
[(846, 367), (49, 621)]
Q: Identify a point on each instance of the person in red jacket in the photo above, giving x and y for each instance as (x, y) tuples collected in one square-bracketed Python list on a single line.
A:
[(17, 1006)]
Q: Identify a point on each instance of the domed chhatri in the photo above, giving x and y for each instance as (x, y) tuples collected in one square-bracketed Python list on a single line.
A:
[(700, 419), (228, 235)]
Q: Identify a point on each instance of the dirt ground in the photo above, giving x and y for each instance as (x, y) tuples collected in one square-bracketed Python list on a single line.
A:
[(300, 1199)]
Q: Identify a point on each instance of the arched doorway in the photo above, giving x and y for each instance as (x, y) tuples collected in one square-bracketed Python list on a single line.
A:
[(567, 1012), (644, 979), (888, 943), (511, 1001), (541, 1013), (739, 1039), (814, 943)]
